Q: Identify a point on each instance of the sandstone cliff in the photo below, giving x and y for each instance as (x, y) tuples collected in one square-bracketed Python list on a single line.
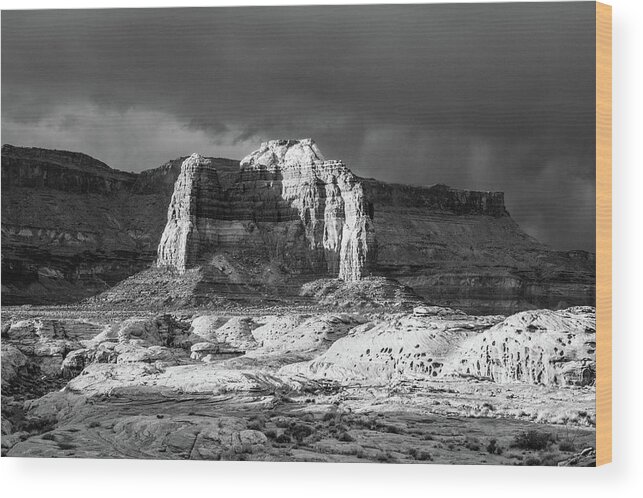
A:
[(287, 205), (462, 248), (73, 227)]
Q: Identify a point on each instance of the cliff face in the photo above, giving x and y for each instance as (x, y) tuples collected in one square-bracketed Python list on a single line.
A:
[(287, 205), (60, 170), (461, 248), (65, 232), (194, 202), (73, 227)]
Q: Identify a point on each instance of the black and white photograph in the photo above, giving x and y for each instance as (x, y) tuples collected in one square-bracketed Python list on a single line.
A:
[(339, 233)]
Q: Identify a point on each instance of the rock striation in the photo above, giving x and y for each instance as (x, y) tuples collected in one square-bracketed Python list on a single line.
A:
[(73, 227), (282, 217), (195, 199), (295, 386), (535, 347), (397, 347), (462, 248), (542, 347), (287, 204)]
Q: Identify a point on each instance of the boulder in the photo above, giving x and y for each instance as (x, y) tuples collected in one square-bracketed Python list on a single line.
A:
[(202, 349), (13, 360), (398, 347), (534, 347)]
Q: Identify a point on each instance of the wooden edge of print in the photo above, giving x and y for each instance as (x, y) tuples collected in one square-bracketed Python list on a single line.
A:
[(603, 233)]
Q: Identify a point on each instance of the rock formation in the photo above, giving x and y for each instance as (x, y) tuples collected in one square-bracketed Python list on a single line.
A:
[(462, 248), (297, 386), (194, 202), (397, 347), (73, 227), (543, 347), (287, 202), (535, 347)]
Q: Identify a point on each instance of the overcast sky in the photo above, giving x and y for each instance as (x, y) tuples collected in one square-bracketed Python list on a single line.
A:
[(478, 96)]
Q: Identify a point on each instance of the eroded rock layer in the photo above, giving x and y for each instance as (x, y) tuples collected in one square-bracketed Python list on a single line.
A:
[(73, 227), (541, 347), (536, 347), (462, 248), (287, 205)]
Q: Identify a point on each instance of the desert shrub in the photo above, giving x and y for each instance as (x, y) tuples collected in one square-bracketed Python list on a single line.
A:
[(493, 448), (328, 416), (301, 431), (369, 423), (283, 423), (550, 459), (393, 429), (346, 437), (567, 446), (385, 456), (424, 455), (39, 425), (532, 440), (283, 438), (341, 428), (270, 434), (256, 424), (472, 443), (532, 461)]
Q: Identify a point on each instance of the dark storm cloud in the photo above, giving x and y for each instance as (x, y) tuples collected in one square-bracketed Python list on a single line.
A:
[(488, 96)]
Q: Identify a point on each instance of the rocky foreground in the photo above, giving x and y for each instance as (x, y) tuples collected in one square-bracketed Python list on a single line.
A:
[(432, 385)]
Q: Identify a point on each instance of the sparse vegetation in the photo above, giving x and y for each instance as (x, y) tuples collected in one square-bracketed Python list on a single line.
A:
[(472, 443), (421, 455), (38, 425), (301, 431), (328, 416), (257, 423), (532, 440), (283, 438), (550, 459), (385, 456), (493, 448), (567, 446), (270, 434), (346, 437)]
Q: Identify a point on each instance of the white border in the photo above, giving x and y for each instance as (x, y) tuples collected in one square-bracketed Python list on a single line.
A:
[(110, 478)]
